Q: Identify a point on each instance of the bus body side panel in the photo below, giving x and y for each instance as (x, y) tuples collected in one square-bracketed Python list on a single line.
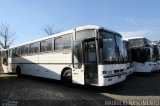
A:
[(114, 73), (143, 67), (154, 66), (47, 65), (52, 64), (30, 61)]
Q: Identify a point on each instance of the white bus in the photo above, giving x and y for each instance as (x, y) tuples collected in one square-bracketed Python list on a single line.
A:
[(84, 55), (157, 56), (127, 59), (141, 54)]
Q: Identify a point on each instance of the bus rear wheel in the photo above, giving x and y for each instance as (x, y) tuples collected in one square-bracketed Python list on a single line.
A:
[(18, 71), (67, 77)]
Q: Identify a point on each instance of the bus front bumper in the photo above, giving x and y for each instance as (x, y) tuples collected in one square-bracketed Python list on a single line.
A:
[(111, 79)]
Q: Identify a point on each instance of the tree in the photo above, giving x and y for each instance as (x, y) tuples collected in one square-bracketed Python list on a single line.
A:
[(6, 35), (49, 30)]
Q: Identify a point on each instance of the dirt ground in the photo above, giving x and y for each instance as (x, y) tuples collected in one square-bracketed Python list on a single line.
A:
[(137, 89)]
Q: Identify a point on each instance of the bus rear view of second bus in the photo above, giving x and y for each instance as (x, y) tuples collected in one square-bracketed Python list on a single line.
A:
[(140, 53)]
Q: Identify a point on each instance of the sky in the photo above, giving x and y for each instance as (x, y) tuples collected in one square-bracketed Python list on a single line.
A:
[(128, 17)]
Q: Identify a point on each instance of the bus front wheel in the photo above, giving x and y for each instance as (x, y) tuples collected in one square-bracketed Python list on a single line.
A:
[(67, 77)]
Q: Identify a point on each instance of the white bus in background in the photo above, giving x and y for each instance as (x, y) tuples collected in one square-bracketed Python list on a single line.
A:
[(127, 59), (84, 55), (141, 54), (157, 56), (4, 61)]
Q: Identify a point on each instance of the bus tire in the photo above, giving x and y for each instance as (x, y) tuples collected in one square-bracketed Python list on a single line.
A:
[(67, 77), (18, 71)]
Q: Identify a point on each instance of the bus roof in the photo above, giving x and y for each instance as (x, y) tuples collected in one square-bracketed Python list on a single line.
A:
[(67, 32), (133, 38)]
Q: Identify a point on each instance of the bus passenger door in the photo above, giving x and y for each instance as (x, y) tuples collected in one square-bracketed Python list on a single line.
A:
[(78, 71), (90, 61)]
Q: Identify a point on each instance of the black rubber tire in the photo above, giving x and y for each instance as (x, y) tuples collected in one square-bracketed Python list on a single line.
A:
[(67, 78), (18, 71)]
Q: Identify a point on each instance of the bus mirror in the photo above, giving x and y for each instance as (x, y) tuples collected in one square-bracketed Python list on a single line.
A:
[(100, 43)]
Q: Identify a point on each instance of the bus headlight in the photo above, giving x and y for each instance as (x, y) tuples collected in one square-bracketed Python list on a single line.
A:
[(104, 72), (107, 72)]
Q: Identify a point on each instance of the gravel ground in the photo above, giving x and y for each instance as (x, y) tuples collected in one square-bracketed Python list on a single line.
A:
[(32, 91)]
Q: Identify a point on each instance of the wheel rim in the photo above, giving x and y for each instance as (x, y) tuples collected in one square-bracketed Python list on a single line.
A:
[(68, 78)]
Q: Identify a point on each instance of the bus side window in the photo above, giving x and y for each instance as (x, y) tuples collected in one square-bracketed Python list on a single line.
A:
[(34, 47), (46, 45), (63, 42), (77, 53), (26, 49), (18, 51)]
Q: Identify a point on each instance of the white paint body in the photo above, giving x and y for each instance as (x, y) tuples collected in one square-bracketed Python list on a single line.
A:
[(143, 67), (157, 65), (47, 65), (118, 77), (51, 64), (154, 67)]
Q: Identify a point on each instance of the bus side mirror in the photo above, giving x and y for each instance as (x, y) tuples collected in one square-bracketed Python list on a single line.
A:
[(100, 41)]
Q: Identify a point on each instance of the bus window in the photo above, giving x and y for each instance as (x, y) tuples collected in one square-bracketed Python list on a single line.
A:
[(26, 49), (63, 42), (12, 52), (49, 45), (34, 48), (18, 51), (43, 46), (85, 34), (31, 48), (77, 53), (46, 45), (22, 49)]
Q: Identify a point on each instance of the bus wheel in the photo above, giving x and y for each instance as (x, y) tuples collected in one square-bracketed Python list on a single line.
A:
[(18, 71), (67, 77)]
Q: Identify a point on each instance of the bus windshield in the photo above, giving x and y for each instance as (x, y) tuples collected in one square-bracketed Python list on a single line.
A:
[(120, 48), (141, 54), (147, 42), (157, 52), (112, 50), (136, 42), (125, 52)]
